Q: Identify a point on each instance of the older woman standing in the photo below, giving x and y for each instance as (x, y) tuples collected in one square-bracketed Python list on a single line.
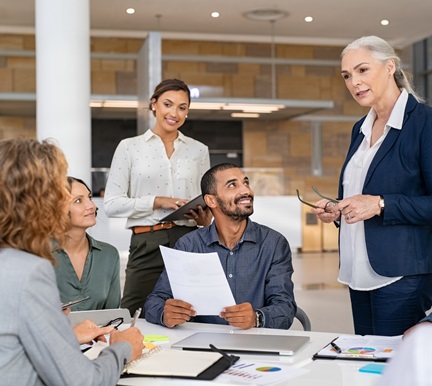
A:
[(86, 267), (151, 175), (37, 343), (385, 191)]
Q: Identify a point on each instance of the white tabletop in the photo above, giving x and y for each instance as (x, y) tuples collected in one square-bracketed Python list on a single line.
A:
[(321, 372)]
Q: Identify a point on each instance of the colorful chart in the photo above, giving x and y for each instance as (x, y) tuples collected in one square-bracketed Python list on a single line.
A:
[(268, 369), (361, 350)]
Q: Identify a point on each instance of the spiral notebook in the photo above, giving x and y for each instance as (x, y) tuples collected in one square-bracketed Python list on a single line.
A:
[(160, 362)]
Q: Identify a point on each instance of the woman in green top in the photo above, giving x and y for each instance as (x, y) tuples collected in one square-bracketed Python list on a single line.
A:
[(86, 267)]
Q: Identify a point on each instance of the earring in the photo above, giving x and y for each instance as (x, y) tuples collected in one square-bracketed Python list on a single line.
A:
[(186, 116), (153, 109)]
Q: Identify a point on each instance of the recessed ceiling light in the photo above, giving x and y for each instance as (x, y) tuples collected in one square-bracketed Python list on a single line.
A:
[(215, 14), (385, 22), (308, 19), (130, 11), (266, 14)]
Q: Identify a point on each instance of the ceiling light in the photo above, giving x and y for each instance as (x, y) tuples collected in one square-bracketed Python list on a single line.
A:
[(385, 22), (117, 104), (308, 19), (215, 14), (265, 14), (205, 106), (245, 115), (259, 108), (130, 11)]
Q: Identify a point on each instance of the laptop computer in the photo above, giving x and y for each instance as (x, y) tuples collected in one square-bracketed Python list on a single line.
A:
[(243, 343), (100, 317)]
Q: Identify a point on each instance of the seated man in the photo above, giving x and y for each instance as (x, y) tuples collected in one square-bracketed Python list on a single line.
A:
[(256, 260)]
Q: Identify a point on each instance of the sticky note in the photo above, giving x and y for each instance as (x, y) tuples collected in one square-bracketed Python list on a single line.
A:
[(375, 368), (155, 338), (149, 345)]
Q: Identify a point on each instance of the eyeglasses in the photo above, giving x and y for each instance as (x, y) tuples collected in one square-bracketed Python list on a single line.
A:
[(319, 194), (115, 322)]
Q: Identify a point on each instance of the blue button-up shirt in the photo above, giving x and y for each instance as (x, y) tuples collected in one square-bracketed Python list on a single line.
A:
[(258, 270)]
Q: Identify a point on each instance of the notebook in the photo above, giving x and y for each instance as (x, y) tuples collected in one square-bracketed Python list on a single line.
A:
[(243, 343), (180, 212), (160, 362)]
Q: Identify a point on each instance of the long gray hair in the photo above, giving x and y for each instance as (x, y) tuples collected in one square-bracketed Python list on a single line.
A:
[(383, 51)]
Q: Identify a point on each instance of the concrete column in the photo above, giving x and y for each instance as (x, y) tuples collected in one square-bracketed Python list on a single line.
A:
[(149, 75), (316, 161), (63, 80)]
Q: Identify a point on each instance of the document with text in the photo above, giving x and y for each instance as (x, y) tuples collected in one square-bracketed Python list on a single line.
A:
[(199, 279)]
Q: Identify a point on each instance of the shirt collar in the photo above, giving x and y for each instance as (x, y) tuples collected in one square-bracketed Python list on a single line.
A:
[(149, 134), (396, 117), (248, 235), (93, 243)]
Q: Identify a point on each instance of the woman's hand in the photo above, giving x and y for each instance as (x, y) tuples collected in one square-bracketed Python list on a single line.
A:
[(359, 208), (87, 331), (326, 211), (168, 202), (133, 336)]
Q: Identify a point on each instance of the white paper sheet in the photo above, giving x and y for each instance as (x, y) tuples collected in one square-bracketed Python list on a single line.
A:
[(259, 373), (199, 279)]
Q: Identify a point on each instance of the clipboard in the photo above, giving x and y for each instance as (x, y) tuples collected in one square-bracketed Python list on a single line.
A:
[(180, 212), (360, 348)]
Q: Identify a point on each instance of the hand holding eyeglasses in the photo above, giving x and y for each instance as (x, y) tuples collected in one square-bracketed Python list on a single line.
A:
[(88, 331), (325, 209)]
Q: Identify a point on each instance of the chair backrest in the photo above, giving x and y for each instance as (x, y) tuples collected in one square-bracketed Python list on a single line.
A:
[(303, 319)]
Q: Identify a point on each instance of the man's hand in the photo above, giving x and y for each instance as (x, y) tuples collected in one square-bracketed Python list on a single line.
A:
[(177, 312), (240, 315), (88, 331)]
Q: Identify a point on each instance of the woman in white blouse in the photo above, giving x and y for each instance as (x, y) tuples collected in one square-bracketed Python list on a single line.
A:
[(151, 175)]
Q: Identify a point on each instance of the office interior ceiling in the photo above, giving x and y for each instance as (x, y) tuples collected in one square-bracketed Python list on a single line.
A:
[(335, 21)]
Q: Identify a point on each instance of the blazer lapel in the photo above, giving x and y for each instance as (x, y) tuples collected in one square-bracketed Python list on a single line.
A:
[(390, 140)]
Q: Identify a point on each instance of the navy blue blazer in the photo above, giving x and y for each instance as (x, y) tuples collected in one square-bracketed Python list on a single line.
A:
[(399, 242)]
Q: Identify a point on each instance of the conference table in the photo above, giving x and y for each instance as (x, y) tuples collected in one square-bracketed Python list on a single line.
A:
[(319, 372)]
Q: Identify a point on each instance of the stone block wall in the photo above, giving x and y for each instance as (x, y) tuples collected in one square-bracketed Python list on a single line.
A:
[(267, 144)]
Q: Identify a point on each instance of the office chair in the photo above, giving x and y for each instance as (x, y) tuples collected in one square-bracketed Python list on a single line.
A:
[(303, 319)]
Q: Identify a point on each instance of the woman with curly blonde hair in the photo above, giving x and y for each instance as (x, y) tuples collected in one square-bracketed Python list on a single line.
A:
[(39, 347)]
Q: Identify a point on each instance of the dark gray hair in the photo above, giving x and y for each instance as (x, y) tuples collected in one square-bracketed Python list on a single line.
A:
[(383, 51)]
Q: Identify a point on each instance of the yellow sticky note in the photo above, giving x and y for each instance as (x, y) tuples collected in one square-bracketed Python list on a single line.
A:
[(155, 338), (149, 345)]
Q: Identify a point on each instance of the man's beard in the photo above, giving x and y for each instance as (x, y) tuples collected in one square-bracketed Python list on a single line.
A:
[(236, 214)]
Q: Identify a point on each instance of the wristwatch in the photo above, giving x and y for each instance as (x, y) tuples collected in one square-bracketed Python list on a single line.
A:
[(381, 205), (259, 319)]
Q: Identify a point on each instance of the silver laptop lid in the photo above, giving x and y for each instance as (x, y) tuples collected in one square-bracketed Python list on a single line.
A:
[(246, 343)]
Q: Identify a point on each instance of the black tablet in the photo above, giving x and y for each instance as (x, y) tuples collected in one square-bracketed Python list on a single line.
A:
[(180, 212)]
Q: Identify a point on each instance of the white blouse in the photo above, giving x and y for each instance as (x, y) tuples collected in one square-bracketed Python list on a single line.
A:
[(355, 269), (141, 170)]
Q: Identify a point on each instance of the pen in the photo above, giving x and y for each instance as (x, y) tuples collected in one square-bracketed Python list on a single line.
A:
[(336, 347), (135, 317)]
